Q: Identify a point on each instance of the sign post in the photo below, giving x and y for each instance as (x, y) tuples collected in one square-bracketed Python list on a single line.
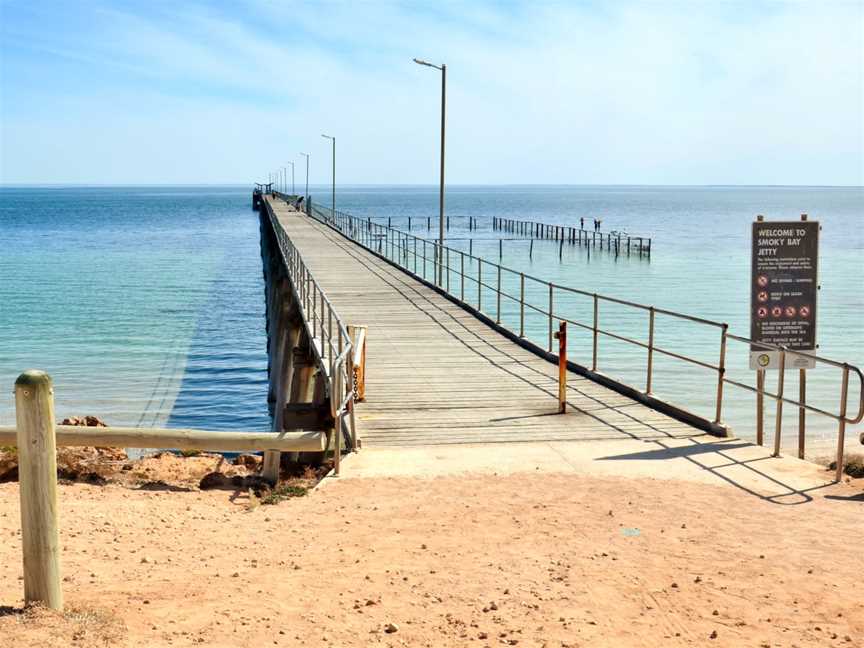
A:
[(784, 285)]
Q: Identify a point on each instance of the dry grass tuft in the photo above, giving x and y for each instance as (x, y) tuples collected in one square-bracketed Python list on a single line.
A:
[(79, 626)]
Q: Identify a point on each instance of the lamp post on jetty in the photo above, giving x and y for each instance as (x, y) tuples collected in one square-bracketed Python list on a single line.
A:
[(292, 178), (333, 207), (284, 179), (306, 155), (443, 68)]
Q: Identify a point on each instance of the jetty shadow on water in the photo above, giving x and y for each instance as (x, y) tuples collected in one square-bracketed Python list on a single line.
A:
[(226, 363)]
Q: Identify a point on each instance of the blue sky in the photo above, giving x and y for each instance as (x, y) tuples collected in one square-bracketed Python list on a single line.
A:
[(538, 92)]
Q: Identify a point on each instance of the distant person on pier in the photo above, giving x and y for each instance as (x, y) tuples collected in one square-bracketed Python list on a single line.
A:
[(299, 204), (599, 223), (582, 223)]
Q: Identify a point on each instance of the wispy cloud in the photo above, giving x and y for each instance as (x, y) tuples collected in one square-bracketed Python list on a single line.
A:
[(615, 93)]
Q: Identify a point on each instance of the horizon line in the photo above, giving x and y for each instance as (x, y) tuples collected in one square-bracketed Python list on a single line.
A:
[(25, 185)]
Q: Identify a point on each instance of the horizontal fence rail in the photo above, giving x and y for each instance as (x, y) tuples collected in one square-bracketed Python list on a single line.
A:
[(329, 336), (470, 280), (179, 439)]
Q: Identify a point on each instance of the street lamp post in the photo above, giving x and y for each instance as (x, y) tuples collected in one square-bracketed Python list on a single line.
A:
[(306, 155), (292, 178), (443, 68), (284, 179), (333, 203)]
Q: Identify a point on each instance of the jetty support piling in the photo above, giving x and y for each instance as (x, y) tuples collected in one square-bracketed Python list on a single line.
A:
[(37, 476), (612, 242), (309, 346)]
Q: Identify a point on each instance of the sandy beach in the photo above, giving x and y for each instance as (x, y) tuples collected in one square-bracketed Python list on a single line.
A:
[(518, 560)]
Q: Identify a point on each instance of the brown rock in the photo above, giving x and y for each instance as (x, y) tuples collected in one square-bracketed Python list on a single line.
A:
[(84, 421), (250, 462), (8, 464), (214, 480)]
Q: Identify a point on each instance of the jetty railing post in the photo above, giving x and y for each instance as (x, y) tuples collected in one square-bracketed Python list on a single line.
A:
[(337, 441), (595, 333), (479, 284), (314, 318), (778, 422), (521, 304), (550, 317), (721, 371), (37, 476), (802, 412), (841, 431), (447, 257), (462, 275), (498, 307), (650, 350), (321, 315), (424, 258), (760, 406)]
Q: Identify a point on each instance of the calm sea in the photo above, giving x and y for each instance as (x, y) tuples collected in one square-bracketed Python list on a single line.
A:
[(146, 304)]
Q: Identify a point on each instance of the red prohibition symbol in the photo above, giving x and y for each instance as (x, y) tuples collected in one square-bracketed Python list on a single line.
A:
[(762, 280), (776, 311), (805, 311)]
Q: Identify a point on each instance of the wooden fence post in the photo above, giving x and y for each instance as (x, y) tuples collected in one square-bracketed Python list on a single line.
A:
[(37, 476)]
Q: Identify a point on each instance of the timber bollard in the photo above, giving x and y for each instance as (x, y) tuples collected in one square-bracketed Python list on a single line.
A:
[(561, 336), (37, 476), (270, 466)]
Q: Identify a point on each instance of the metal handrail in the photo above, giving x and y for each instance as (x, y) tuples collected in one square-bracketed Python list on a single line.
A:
[(331, 349), (399, 247)]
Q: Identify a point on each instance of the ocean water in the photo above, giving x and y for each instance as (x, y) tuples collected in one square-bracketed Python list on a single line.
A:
[(146, 304)]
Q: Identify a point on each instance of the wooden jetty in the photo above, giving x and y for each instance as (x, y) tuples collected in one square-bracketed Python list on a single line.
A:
[(437, 374), (617, 242), (443, 367)]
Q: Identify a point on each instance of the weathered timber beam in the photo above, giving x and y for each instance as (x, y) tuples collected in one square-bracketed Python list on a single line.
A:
[(71, 435), (307, 416)]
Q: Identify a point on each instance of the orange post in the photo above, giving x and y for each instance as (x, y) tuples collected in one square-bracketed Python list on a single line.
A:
[(561, 336)]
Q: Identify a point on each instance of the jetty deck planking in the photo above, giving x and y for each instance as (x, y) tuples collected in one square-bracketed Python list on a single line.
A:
[(436, 374)]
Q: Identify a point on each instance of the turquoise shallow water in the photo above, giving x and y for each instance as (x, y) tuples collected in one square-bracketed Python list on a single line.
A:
[(146, 304)]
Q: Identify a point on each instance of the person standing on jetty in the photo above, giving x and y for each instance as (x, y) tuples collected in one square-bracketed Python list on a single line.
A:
[(582, 223)]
